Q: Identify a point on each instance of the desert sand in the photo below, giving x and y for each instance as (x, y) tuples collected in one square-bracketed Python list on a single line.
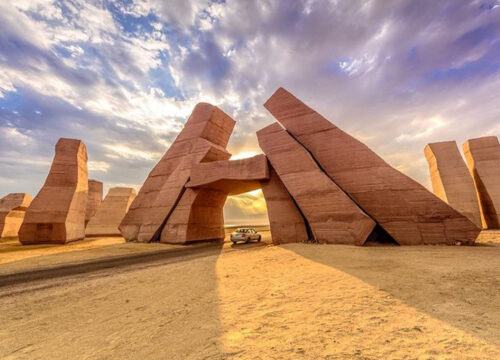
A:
[(258, 301)]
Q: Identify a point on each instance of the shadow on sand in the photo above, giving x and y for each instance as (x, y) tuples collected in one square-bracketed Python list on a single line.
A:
[(157, 310), (457, 285)]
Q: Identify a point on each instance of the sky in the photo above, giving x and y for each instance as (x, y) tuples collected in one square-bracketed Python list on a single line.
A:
[(124, 75)]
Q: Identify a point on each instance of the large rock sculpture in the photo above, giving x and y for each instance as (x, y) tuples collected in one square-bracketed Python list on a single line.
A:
[(12, 210), (203, 138), (402, 207), (286, 222), (94, 199), (330, 213), (451, 180), (199, 214), (111, 212), (57, 213), (483, 159)]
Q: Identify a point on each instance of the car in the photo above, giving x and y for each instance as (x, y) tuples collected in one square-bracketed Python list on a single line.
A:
[(245, 234)]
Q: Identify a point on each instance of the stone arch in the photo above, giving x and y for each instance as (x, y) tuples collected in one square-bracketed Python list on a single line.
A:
[(198, 215)]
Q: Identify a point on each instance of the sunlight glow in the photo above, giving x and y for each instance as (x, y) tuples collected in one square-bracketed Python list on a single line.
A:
[(244, 155)]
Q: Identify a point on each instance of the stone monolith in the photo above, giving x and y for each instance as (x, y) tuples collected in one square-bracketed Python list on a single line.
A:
[(203, 138), (405, 209), (111, 212), (483, 160), (12, 210), (285, 220), (451, 180), (94, 199), (57, 213), (331, 215)]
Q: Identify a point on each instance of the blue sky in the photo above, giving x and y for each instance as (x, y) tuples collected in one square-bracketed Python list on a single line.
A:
[(123, 76)]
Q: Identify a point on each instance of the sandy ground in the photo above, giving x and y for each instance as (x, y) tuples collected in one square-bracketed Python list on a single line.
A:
[(11, 250), (45, 254), (254, 301)]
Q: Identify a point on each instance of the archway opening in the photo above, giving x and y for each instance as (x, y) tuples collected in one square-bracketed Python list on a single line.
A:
[(247, 211)]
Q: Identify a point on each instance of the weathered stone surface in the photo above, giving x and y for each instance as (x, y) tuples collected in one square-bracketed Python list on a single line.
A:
[(111, 212), (483, 159), (12, 209), (203, 138), (57, 213), (230, 176), (451, 180), (286, 222), (331, 215), (198, 216), (94, 199), (405, 209)]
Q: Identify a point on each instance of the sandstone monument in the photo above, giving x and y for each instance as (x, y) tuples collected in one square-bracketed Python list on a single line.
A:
[(319, 183), (204, 138), (94, 199), (330, 213), (57, 213), (451, 180), (483, 159), (12, 210), (402, 207), (111, 212)]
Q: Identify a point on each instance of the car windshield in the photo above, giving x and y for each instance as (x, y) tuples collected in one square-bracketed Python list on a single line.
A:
[(241, 230)]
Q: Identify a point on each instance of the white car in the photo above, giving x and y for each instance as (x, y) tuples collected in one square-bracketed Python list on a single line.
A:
[(245, 234)]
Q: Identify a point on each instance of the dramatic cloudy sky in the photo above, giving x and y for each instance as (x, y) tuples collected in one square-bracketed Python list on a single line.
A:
[(123, 76)]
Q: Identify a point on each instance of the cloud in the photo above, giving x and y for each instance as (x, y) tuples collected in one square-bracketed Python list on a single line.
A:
[(98, 166), (249, 208), (124, 76)]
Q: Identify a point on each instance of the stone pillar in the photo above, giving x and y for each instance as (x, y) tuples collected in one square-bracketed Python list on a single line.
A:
[(197, 217), (111, 212), (286, 223), (57, 213), (12, 210), (451, 180), (483, 160), (94, 199)]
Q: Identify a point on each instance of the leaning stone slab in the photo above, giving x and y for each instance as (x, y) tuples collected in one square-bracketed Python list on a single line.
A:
[(208, 123), (451, 180), (111, 212), (331, 215), (404, 208), (12, 210), (94, 199), (286, 223), (173, 189), (483, 159), (57, 213)]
